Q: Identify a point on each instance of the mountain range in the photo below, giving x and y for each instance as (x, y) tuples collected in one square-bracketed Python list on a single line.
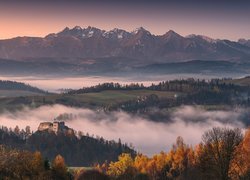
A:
[(91, 49)]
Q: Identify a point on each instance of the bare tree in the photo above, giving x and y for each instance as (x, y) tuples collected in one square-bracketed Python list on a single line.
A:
[(219, 149)]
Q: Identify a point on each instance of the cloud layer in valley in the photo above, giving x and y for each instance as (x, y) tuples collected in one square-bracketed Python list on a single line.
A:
[(147, 136)]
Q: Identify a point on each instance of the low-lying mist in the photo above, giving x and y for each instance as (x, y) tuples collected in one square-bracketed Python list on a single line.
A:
[(147, 136), (53, 83)]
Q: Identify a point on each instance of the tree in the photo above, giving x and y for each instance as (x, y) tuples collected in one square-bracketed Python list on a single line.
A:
[(241, 164), (124, 164), (16, 164), (27, 130), (141, 162), (17, 130), (37, 163), (59, 168), (219, 151), (80, 134)]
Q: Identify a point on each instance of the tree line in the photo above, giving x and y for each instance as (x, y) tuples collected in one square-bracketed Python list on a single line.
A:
[(183, 85), (108, 86), (223, 154), (78, 149), (13, 85), (188, 92)]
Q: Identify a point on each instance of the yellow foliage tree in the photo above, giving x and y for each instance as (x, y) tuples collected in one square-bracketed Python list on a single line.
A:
[(141, 162), (118, 168)]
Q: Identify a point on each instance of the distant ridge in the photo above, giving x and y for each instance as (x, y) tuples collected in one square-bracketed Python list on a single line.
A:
[(13, 85), (140, 44)]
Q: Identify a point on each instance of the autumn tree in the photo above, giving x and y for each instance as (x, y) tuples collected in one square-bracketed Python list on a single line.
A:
[(219, 151), (37, 163), (59, 168), (240, 168), (245, 152), (15, 164), (141, 163), (103, 168), (124, 165), (178, 162)]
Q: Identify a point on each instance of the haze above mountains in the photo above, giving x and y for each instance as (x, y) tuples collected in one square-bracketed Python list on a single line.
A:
[(91, 50)]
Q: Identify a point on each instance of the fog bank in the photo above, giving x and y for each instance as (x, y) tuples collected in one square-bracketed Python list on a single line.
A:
[(53, 83), (147, 136)]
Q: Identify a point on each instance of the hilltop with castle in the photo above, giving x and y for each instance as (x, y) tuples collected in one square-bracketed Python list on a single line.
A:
[(56, 127)]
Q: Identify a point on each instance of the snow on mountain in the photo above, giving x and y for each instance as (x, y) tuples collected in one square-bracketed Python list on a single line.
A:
[(140, 30), (244, 42), (139, 44)]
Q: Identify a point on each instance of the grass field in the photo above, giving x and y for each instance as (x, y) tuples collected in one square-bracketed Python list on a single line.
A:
[(88, 100), (117, 96)]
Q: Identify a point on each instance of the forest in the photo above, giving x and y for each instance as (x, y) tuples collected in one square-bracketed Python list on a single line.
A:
[(185, 92), (138, 98), (222, 154), (13, 85), (78, 149), (181, 85)]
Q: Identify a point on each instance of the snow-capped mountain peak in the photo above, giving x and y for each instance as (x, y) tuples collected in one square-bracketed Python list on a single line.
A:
[(91, 42), (116, 34), (140, 29), (77, 28)]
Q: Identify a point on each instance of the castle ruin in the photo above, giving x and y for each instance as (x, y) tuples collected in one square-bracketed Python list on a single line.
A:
[(56, 127)]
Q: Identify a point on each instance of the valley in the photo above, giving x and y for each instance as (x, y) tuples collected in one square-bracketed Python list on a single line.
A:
[(124, 90)]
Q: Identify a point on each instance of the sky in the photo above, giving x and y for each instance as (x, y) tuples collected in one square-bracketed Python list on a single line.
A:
[(223, 19)]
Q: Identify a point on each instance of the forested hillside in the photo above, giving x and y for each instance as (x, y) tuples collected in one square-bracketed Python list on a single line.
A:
[(13, 85), (139, 98), (80, 150)]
